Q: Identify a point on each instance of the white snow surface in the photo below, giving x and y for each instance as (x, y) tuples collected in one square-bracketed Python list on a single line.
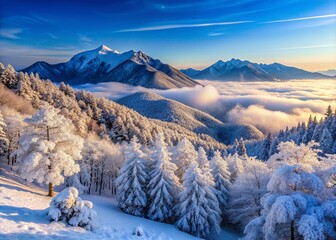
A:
[(24, 209)]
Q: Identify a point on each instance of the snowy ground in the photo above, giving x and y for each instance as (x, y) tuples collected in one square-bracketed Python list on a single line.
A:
[(23, 215)]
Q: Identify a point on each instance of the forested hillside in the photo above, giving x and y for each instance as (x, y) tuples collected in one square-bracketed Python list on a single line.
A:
[(100, 115)]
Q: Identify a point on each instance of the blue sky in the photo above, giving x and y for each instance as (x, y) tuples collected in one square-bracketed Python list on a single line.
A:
[(182, 33)]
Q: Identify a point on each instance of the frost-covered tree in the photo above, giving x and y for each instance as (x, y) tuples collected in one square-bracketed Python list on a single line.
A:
[(4, 142), (235, 164), (300, 133), (235, 146), (99, 166), (9, 76), (326, 141), (184, 154), (274, 147), (308, 135), (69, 207), (15, 125), (290, 153), (204, 166), (246, 191), (241, 149), (222, 177), (300, 203), (198, 208), (294, 208), (265, 148), (131, 183), (163, 185), (328, 111), (49, 149)]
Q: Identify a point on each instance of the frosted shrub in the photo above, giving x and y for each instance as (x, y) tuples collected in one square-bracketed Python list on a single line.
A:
[(83, 215), (67, 206), (138, 231), (61, 206)]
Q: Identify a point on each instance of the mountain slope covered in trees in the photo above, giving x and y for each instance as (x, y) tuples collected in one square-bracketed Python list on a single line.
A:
[(321, 131), (155, 106), (100, 115), (106, 65)]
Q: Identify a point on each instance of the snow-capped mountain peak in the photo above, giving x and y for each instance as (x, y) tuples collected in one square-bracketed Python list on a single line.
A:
[(103, 49), (103, 64), (243, 70)]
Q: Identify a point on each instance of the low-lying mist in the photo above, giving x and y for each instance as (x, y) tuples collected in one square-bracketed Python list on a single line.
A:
[(269, 106)]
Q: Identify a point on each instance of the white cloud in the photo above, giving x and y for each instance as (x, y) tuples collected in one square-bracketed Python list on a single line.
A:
[(308, 47), (84, 38), (267, 120), (270, 106), (302, 18), (10, 33), (174, 26)]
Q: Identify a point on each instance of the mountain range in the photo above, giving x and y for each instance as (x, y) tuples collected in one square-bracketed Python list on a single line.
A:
[(238, 70), (154, 106), (106, 65)]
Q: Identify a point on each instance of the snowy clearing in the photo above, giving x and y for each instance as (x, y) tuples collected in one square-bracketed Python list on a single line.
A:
[(23, 215)]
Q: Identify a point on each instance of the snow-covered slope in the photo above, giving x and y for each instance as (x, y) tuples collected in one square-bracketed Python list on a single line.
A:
[(238, 70), (23, 215), (106, 65), (152, 105), (330, 72)]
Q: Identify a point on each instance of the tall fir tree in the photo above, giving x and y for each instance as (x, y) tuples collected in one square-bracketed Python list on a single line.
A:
[(198, 208), (131, 183), (222, 176), (326, 141), (265, 148), (308, 135), (183, 156), (274, 146), (235, 146), (4, 142), (204, 166), (163, 185), (241, 150)]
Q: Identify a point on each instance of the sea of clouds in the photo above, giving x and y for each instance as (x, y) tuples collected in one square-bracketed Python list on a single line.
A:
[(269, 106)]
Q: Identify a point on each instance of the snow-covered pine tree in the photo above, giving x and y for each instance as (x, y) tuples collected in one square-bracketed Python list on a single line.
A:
[(184, 154), (235, 146), (301, 131), (274, 146), (204, 166), (235, 164), (9, 76), (307, 136), (241, 149), (265, 148), (328, 112), (4, 142), (49, 148), (222, 176), (326, 141), (131, 183), (163, 185), (198, 208)]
